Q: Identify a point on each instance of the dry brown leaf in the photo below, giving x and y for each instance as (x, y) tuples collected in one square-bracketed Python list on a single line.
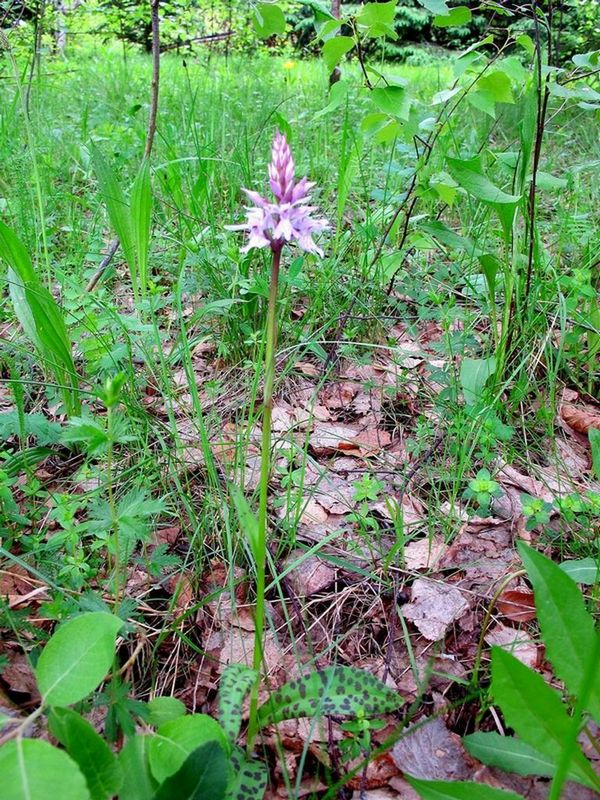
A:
[(516, 642), (580, 418), (424, 553), (430, 752), (434, 607), (311, 575), (327, 439), (517, 605)]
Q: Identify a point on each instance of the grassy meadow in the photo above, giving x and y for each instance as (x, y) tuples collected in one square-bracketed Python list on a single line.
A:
[(395, 462)]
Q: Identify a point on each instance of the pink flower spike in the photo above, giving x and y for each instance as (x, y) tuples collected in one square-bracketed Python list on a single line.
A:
[(289, 219)]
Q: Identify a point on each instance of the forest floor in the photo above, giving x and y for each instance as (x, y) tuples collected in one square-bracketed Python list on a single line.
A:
[(399, 488)]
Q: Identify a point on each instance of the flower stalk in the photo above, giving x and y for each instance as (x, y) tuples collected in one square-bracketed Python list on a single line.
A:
[(288, 220)]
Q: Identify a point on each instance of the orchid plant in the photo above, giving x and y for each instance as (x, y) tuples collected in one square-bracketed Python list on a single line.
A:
[(289, 220)]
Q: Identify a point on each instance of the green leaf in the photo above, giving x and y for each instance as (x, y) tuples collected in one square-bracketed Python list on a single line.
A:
[(249, 778), (582, 570), (535, 712), (594, 437), (458, 790), (377, 19), (497, 85), (96, 760), (268, 20), (141, 221), (392, 100), (247, 519), (438, 7), (334, 50), (448, 237), (138, 783), (32, 769), (164, 709), (460, 15), (343, 691), (468, 174), (510, 754), (474, 374), (204, 774), (567, 628), (175, 740), (39, 316), (236, 682), (337, 95), (117, 207), (77, 658)]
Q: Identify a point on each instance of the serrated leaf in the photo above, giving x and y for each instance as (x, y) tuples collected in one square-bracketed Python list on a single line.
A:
[(468, 174), (175, 740), (535, 712), (165, 709), (32, 769), (342, 691), (335, 49), (77, 658), (96, 760), (458, 790), (138, 783), (249, 779), (510, 754), (268, 20), (460, 15), (204, 774), (236, 682), (567, 628)]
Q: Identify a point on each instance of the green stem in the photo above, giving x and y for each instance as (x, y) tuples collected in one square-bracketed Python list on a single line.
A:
[(265, 469), (112, 506)]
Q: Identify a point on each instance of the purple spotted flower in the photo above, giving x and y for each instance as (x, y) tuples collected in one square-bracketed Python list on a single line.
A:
[(289, 219)]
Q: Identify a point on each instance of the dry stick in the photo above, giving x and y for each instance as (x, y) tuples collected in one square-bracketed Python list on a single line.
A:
[(114, 245)]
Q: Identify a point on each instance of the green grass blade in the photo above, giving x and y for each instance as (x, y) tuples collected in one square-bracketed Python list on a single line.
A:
[(141, 221)]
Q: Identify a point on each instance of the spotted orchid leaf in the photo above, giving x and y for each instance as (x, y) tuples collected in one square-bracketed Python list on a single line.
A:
[(338, 691), (236, 682)]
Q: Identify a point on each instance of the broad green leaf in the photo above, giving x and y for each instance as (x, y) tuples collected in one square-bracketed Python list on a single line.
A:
[(594, 437), (77, 658), (567, 628), (138, 783), (496, 85), (343, 691), (448, 237), (438, 7), (510, 754), (203, 775), (164, 709), (337, 95), (474, 374), (117, 207), (268, 20), (249, 778), (31, 769), (468, 174), (39, 316), (460, 15), (96, 760), (458, 790), (491, 266), (141, 221), (377, 19), (544, 180), (236, 682), (535, 712), (335, 49), (392, 100), (582, 570), (175, 740)]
